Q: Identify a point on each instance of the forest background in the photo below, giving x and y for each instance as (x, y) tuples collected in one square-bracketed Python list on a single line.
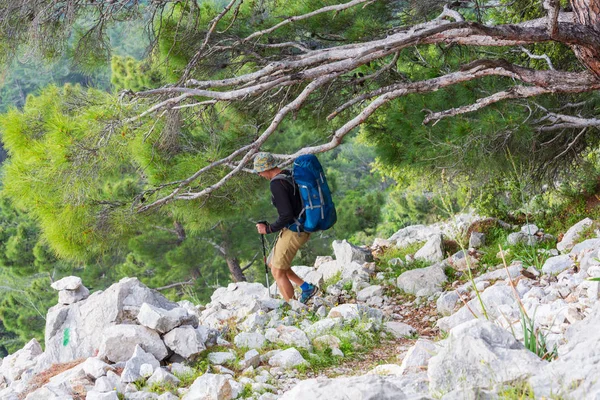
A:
[(71, 175)]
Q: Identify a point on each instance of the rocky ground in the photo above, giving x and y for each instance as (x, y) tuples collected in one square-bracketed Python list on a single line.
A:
[(447, 329)]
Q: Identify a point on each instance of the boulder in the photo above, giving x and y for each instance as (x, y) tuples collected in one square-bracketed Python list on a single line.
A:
[(210, 387), (72, 331), (330, 269), (345, 253), (589, 245), (287, 359), (133, 367), (418, 356), (556, 265), (67, 283), (423, 281), (73, 296), (162, 320), (499, 301), (186, 341), (572, 235), (479, 353), (239, 294), (119, 342), (574, 374), (432, 251), (20, 361), (365, 387)]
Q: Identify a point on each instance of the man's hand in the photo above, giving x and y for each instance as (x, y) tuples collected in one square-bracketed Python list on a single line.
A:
[(261, 228)]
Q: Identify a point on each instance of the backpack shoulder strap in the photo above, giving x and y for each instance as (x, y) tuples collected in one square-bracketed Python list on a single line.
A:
[(286, 178)]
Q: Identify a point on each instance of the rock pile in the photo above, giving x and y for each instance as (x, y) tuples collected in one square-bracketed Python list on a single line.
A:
[(129, 340)]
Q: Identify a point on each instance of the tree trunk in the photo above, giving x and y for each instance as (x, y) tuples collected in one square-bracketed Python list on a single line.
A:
[(587, 12), (235, 269), (232, 262)]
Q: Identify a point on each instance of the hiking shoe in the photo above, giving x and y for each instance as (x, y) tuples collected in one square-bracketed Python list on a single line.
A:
[(308, 293)]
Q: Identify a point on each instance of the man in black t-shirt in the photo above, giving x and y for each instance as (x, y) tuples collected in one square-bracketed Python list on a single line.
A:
[(286, 198)]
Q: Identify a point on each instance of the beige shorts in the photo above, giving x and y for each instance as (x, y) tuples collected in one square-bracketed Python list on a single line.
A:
[(286, 247)]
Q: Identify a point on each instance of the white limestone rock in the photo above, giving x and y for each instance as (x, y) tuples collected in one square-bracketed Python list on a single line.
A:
[(74, 331), (365, 387), (210, 387), (572, 235), (162, 320), (67, 283), (418, 356), (432, 251), (574, 374), (499, 302), (162, 376), (287, 359), (289, 335), (323, 326), (73, 296), (20, 361), (119, 342), (422, 282), (556, 265), (476, 240), (94, 395), (368, 292), (330, 269), (446, 303), (399, 329), (221, 357), (250, 340), (346, 253), (186, 341), (480, 353), (133, 366)]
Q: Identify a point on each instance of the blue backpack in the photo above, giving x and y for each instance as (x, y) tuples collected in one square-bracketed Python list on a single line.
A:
[(318, 211)]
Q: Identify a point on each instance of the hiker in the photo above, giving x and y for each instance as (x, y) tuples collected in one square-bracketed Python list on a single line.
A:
[(286, 198)]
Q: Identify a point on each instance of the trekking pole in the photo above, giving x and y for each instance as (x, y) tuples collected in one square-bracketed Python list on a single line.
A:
[(264, 248)]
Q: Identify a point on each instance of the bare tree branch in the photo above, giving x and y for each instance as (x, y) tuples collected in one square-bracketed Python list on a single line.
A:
[(515, 92), (175, 285), (536, 57), (562, 121)]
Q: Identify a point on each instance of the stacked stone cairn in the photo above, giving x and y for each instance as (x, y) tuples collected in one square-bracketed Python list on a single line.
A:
[(126, 340)]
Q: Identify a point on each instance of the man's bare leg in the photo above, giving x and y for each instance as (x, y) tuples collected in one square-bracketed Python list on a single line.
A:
[(294, 278), (283, 283)]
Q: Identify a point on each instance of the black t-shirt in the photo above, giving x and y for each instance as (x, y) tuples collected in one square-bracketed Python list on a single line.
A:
[(286, 198)]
